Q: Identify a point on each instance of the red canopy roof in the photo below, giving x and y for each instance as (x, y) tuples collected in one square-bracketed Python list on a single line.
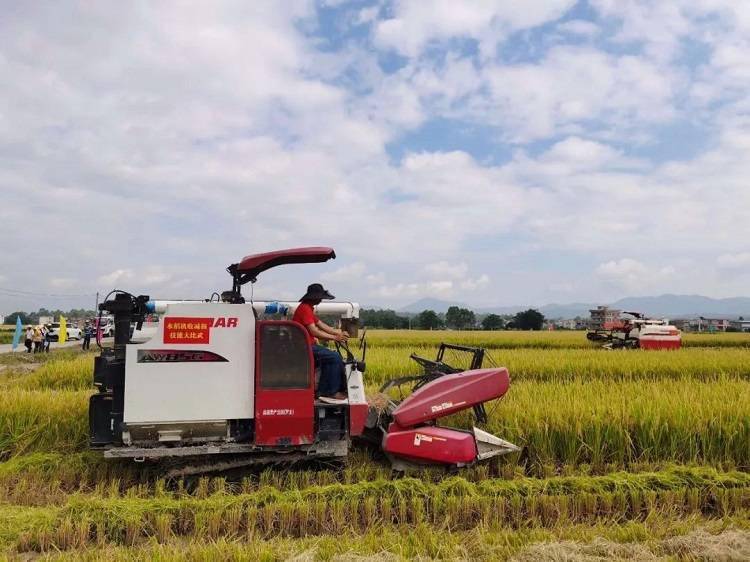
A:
[(252, 265)]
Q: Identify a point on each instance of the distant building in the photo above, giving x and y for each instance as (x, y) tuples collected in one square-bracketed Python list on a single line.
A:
[(709, 324), (46, 319), (602, 316), (740, 325), (682, 324), (2, 319), (568, 324)]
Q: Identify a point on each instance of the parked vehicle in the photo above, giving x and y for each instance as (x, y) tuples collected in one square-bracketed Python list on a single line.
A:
[(107, 326), (73, 333)]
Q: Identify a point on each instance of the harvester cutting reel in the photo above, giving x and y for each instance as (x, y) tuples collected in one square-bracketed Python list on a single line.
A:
[(408, 425)]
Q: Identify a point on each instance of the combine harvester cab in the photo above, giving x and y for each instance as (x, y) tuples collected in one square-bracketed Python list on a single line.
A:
[(217, 386)]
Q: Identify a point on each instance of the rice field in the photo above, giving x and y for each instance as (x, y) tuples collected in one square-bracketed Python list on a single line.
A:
[(558, 339), (624, 453)]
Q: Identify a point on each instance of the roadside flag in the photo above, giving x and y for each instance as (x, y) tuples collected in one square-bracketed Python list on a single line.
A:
[(63, 330), (17, 333)]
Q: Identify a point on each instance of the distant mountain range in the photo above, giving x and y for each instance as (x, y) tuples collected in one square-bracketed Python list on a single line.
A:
[(671, 306)]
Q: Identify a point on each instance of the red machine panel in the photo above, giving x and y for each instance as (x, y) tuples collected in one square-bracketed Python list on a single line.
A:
[(357, 418), (284, 385), (431, 444), (660, 343), (450, 394)]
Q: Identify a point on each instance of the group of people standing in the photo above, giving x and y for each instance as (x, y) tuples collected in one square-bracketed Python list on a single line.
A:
[(39, 338)]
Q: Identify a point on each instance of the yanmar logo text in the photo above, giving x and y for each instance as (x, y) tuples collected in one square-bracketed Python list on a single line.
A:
[(194, 330)]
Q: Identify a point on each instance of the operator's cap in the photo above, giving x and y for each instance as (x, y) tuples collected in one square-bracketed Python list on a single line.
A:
[(315, 292)]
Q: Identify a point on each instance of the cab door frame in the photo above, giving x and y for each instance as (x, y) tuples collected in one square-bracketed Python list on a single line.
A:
[(284, 385)]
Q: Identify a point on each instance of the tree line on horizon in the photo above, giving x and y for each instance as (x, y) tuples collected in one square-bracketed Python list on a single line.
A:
[(33, 317), (456, 318)]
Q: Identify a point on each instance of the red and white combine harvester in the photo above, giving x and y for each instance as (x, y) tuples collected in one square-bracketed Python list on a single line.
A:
[(217, 385), (637, 332)]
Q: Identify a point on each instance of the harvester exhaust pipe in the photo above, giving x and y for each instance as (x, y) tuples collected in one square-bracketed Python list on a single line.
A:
[(489, 445)]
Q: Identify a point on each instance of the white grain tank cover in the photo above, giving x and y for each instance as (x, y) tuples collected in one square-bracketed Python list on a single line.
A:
[(169, 378)]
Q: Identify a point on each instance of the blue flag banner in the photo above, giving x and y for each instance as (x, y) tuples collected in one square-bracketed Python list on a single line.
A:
[(17, 333)]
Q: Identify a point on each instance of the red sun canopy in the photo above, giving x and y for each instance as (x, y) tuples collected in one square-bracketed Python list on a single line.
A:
[(251, 266)]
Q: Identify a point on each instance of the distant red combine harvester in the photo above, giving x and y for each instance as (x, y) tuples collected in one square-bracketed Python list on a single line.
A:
[(637, 332)]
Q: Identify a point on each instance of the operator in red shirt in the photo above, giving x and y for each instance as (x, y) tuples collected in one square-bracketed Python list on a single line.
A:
[(332, 385)]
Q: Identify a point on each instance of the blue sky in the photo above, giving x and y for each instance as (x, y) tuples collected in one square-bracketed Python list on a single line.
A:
[(470, 151)]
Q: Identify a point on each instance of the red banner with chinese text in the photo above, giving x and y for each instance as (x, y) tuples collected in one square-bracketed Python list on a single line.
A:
[(187, 330)]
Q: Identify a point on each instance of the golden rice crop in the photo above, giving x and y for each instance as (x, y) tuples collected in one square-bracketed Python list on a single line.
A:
[(575, 411), (75, 373), (604, 422), (385, 363), (557, 339), (595, 422), (34, 420)]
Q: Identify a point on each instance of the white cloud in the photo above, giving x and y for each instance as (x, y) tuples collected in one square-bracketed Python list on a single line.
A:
[(474, 284), (367, 15), (578, 85), (625, 267), (376, 278), (155, 276), (576, 153), (579, 27), (226, 123), (427, 289), (416, 23), (447, 270), (115, 277), (734, 261), (62, 282), (347, 273), (633, 275)]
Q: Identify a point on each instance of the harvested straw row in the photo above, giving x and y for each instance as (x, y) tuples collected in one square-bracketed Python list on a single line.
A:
[(50, 478), (455, 504), (694, 537)]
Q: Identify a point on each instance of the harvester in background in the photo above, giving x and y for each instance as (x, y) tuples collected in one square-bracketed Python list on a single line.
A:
[(636, 331), (218, 385)]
